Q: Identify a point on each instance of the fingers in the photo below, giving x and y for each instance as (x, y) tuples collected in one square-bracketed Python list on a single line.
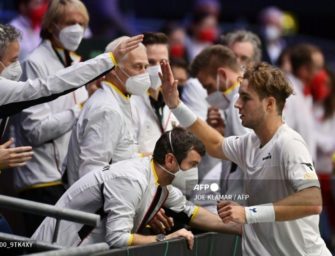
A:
[(163, 222), (190, 241), (189, 237), (126, 46), (223, 203), (157, 227), (7, 143), (19, 150)]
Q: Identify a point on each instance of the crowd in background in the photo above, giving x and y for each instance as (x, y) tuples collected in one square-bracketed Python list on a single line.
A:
[(104, 122)]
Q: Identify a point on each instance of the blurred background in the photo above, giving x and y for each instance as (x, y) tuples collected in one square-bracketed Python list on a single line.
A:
[(307, 21)]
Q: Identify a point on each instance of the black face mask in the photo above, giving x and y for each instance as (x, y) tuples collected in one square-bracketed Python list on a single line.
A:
[(180, 89)]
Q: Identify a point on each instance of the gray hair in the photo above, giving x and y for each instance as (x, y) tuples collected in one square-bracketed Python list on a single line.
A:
[(8, 34), (239, 36)]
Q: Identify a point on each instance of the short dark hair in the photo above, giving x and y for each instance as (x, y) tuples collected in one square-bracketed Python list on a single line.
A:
[(182, 141), (213, 57), (154, 38), (301, 55), (8, 34), (180, 63)]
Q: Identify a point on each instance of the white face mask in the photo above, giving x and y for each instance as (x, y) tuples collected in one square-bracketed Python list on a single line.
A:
[(219, 99), (272, 33), (12, 71), (138, 84), (154, 77), (71, 36)]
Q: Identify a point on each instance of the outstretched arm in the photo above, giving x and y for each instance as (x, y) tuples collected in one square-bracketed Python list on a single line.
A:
[(211, 138), (208, 221), (16, 96)]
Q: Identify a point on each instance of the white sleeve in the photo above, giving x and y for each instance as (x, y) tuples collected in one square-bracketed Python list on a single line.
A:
[(298, 165), (65, 79), (122, 196), (39, 122), (177, 202), (233, 148), (100, 138), (41, 126)]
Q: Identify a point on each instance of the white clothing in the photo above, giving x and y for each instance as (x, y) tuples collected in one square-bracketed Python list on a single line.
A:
[(280, 168), (194, 96), (72, 77), (149, 130), (103, 134), (30, 37), (147, 126), (298, 114), (325, 140), (46, 127), (125, 192)]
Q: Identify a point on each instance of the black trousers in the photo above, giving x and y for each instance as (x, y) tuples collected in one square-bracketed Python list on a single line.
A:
[(47, 195)]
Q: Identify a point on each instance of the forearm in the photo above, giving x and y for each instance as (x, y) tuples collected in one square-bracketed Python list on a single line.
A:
[(211, 138), (208, 221), (51, 127), (141, 239), (300, 204)]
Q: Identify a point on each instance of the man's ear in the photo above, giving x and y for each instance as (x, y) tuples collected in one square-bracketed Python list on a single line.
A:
[(169, 158), (223, 79), (222, 73), (271, 104)]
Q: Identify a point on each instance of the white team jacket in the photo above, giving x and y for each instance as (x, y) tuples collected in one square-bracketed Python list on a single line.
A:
[(46, 126), (104, 133), (128, 195)]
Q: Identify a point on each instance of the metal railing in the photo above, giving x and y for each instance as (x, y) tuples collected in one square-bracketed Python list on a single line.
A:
[(76, 251), (49, 210)]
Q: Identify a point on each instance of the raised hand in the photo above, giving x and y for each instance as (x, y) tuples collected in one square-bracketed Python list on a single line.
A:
[(14, 157), (215, 120), (169, 85), (127, 46)]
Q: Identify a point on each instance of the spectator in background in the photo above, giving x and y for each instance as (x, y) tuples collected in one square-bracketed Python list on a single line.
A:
[(180, 72), (306, 61), (28, 22), (109, 19), (217, 69), (284, 62), (176, 40), (322, 88), (245, 44), (271, 21), (203, 32), (150, 115), (104, 133), (47, 127)]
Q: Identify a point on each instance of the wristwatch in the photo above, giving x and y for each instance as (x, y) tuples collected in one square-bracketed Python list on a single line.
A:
[(160, 237)]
